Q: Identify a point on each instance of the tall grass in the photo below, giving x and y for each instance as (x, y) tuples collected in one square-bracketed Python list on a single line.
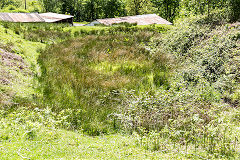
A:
[(39, 32), (89, 73)]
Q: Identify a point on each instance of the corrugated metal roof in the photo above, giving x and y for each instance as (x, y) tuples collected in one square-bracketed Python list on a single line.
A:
[(21, 17), (33, 17), (146, 19), (54, 17)]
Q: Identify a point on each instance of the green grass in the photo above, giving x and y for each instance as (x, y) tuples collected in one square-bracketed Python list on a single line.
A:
[(27, 133), (76, 146), (102, 30), (22, 135), (82, 22), (17, 44)]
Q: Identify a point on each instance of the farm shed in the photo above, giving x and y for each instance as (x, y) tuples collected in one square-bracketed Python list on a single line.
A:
[(21, 17), (146, 19), (57, 18), (36, 17)]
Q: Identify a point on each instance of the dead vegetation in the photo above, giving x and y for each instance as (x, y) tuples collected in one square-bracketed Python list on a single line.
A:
[(12, 67)]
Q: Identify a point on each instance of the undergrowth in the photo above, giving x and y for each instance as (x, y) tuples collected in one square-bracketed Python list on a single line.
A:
[(198, 109)]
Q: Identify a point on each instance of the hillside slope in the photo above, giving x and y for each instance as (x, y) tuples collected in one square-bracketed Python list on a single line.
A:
[(20, 46), (15, 77), (18, 65)]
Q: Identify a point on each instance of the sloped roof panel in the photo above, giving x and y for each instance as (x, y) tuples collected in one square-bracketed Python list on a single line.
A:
[(54, 17), (33, 17), (21, 17), (146, 19)]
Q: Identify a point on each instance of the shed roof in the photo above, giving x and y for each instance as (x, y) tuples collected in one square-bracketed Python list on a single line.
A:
[(54, 17), (139, 19), (21, 17)]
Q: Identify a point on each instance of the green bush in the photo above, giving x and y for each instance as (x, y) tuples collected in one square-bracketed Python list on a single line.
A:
[(189, 111), (13, 9), (179, 118), (207, 53)]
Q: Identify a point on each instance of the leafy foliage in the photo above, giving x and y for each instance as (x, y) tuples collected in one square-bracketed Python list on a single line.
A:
[(179, 119)]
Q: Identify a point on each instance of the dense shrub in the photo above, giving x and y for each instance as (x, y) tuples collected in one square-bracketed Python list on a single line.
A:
[(177, 118), (190, 112), (207, 54)]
